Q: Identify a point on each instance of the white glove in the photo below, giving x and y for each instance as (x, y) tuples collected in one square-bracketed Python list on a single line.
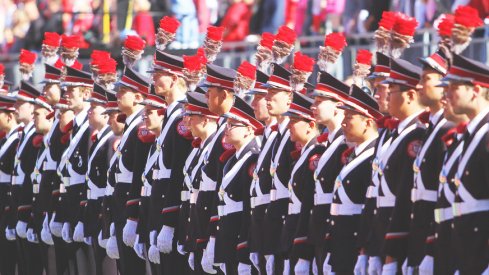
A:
[(181, 249), (327, 269), (55, 227), (79, 233), (10, 234), (102, 242), (165, 239), (315, 270), (302, 267), (389, 269), (244, 269), (361, 265), (31, 236), (46, 236), (407, 270), (208, 257), (129, 232), (139, 248), (190, 260), (87, 240), (21, 229), (255, 259), (153, 252), (66, 232), (374, 266), (270, 265), (426, 266), (286, 266), (112, 249)]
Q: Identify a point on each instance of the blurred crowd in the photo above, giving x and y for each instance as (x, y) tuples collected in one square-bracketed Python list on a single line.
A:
[(104, 22)]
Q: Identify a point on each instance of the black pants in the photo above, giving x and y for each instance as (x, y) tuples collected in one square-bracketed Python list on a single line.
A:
[(129, 263), (29, 256), (8, 257)]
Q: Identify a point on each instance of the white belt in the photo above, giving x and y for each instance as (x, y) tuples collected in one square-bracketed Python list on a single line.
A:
[(443, 214), (162, 173), (146, 190), (464, 208), (123, 177), (109, 190), (207, 184), (93, 194), (260, 200), (193, 196), (18, 180), (323, 198), (5, 177), (184, 196), (277, 194), (294, 208), (50, 166), (227, 209), (346, 209), (423, 195), (386, 201), (372, 192), (35, 188), (74, 180)]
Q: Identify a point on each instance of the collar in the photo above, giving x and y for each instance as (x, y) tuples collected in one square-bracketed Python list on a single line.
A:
[(403, 124), (268, 129), (101, 132), (359, 149), (130, 118), (238, 153), (436, 117), (28, 127), (308, 144), (172, 106), (332, 135), (471, 127), (80, 118), (282, 127), (14, 130)]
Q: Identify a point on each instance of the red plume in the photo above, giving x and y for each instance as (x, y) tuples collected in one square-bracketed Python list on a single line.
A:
[(286, 35), (134, 42), (27, 57), (215, 33), (108, 66), (322, 138), (169, 24), (335, 40), (364, 57), (267, 40), (388, 20), (247, 70), (446, 25), (2, 69), (226, 155), (468, 17), (405, 25), (71, 41), (51, 39), (303, 62), (99, 57), (194, 63)]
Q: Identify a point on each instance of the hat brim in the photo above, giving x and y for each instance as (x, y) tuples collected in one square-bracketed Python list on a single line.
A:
[(427, 63), (95, 100), (298, 116), (110, 110), (255, 92), (48, 81)]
